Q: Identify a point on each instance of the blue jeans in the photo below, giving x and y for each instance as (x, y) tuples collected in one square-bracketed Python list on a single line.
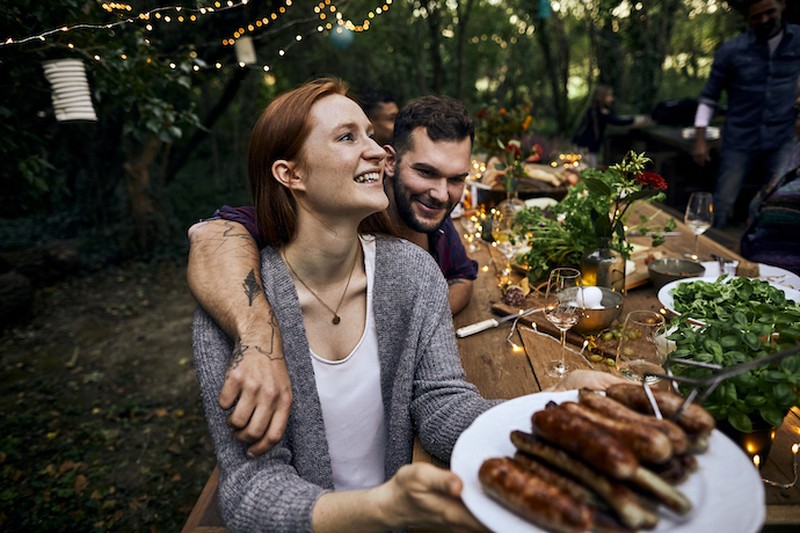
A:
[(735, 165)]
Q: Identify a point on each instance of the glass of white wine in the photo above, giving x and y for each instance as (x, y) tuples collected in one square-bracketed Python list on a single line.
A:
[(638, 352), (699, 216), (562, 308), (506, 241)]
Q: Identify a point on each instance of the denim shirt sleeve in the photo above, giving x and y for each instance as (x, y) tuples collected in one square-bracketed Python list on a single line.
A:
[(717, 79)]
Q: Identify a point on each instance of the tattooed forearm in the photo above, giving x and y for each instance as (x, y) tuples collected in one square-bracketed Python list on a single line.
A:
[(236, 230), (236, 356), (239, 349), (251, 287), (273, 326)]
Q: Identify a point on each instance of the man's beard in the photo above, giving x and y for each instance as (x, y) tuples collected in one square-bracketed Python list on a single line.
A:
[(403, 202)]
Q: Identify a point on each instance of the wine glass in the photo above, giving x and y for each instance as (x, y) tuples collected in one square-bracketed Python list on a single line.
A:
[(699, 216), (562, 308), (506, 240), (639, 350)]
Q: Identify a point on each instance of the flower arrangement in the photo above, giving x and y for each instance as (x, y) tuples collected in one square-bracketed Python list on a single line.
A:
[(494, 123), (512, 167), (616, 189), (593, 211)]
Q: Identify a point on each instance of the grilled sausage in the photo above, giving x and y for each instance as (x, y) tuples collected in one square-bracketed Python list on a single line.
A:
[(541, 470), (694, 420), (591, 443), (620, 498), (649, 445), (677, 469), (614, 409), (533, 498), (661, 490)]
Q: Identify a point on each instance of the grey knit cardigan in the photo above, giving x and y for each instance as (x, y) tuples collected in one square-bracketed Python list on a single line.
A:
[(423, 386)]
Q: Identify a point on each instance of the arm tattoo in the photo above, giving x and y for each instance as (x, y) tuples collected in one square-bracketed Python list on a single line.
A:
[(273, 325), (454, 281), (236, 356), (251, 287), (239, 348)]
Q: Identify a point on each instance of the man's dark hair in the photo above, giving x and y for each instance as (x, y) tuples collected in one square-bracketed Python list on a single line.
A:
[(369, 100), (443, 118), (743, 5)]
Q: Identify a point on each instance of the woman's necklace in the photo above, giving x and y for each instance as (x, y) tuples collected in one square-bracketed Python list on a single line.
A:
[(336, 318)]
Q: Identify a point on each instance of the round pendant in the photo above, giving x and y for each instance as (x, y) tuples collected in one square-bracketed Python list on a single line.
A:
[(336, 319)]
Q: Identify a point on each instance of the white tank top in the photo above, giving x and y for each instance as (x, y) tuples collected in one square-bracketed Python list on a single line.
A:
[(352, 405)]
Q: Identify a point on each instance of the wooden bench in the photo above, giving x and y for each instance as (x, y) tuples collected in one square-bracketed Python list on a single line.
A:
[(205, 516)]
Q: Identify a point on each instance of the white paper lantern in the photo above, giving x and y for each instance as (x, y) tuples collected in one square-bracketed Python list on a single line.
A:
[(71, 96), (245, 51)]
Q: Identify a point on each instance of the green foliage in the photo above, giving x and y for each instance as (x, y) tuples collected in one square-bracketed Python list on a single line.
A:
[(488, 52), (744, 320), (592, 214)]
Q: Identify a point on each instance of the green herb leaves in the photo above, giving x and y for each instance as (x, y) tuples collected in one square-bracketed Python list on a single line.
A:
[(745, 319)]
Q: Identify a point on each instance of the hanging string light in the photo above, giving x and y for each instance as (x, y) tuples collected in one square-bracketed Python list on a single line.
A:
[(179, 14), (336, 14), (258, 24), (165, 14)]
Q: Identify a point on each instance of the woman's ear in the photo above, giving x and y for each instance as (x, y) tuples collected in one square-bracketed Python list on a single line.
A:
[(284, 172)]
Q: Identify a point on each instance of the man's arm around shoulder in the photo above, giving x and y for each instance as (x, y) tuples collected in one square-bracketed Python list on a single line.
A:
[(224, 277)]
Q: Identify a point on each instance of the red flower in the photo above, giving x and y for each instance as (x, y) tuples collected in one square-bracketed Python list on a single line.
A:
[(536, 154), (514, 149), (651, 178), (482, 113)]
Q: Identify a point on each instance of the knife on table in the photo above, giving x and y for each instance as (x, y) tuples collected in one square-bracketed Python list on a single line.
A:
[(490, 323)]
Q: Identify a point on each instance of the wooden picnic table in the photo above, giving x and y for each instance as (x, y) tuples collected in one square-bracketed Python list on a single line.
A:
[(502, 370)]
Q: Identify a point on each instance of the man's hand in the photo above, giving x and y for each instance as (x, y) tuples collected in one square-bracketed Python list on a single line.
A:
[(258, 389), (700, 152)]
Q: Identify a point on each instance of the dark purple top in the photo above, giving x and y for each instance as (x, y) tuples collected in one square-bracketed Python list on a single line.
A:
[(444, 244)]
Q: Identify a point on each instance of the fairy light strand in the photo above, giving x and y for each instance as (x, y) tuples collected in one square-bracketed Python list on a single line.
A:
[(795, 447), (179, 14), (192, 15), (335, 13), (258, 24)]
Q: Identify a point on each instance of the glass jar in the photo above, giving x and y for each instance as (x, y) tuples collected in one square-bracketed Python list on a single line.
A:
[(604, 267)]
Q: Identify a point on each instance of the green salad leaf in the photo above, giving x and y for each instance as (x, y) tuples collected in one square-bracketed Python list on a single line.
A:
[(743, 319), (727, 298)]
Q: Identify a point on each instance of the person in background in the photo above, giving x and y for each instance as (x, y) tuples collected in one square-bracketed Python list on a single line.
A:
[(592, 130), (772, 231), (427, 164), (381, 108), (758, 69)]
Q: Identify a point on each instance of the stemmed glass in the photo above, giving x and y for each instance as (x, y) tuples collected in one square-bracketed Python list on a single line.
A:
[(699, 216), (506, 241), (638, 350), (562, 308)]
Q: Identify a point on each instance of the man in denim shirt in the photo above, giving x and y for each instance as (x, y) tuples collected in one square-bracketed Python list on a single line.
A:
[(758, 69)]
